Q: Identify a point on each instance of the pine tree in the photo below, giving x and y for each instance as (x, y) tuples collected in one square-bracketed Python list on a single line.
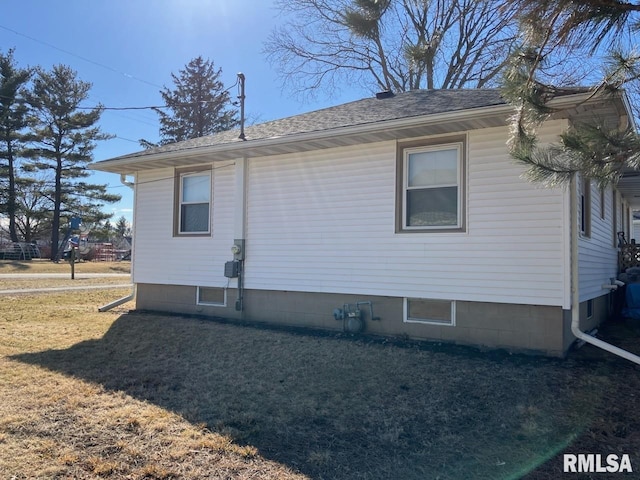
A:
[(63, 138), (198, 104), (562, 29), (122, 228), (13, 120)]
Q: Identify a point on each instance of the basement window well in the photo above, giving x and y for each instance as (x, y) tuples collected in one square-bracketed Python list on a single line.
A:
[(212, 296), (429, 311)]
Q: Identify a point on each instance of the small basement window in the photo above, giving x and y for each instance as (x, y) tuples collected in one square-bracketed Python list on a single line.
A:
[(429, 311), (212, 296)]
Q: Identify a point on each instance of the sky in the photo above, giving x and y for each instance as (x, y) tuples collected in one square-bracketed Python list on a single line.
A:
[(128, 49)]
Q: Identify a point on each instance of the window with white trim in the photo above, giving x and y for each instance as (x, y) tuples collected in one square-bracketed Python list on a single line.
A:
[(432, 187), (194, 202), (430, 311)]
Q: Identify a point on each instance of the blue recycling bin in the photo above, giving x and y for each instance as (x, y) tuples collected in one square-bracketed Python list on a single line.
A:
[(632, 300)]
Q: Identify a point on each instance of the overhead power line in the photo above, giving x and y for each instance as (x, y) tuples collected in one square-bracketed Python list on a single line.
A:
[(102, 65), (150, 107), (156, 107)]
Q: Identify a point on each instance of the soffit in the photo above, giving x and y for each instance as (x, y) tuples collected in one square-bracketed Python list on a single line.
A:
[(629, 187)]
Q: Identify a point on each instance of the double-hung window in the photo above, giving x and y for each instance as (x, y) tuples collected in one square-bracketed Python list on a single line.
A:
[(432, 187), (194, 202)]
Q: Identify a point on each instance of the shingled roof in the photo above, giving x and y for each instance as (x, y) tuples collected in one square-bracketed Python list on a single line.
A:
[(372, 110)]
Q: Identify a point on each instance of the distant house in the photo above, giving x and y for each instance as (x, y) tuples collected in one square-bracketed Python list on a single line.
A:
[(399, 215)]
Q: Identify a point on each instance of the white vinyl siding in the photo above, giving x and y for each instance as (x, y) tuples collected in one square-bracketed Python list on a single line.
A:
[(636, 231), (163, 258), (597, 256), (324, 222), (585, 207)]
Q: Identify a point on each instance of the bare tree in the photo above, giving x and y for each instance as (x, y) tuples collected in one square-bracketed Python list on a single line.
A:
[(33, 217), (395, 45)]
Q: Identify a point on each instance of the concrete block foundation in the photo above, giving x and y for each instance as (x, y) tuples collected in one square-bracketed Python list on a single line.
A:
[(533, 329)]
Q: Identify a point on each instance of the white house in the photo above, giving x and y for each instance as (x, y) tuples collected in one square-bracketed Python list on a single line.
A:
[(397, 215)]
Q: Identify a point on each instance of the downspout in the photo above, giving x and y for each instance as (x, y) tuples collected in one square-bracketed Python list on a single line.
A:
[(575, 277), (125, 182), (240, 226), (120, 301), (132, 295)]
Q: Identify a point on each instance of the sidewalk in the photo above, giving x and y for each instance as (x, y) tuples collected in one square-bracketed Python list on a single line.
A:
[(62, 275), (63, 289)]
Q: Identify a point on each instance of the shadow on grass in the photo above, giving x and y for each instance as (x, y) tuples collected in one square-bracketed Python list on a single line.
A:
[(15, 265), (123, 267), (340, 408)]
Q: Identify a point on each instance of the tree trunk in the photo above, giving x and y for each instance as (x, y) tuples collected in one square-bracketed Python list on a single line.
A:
[(430, 74), (11, 200), (55, 221)]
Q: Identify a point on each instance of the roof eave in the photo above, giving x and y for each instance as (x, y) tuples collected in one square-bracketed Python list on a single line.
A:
[(262, 147)]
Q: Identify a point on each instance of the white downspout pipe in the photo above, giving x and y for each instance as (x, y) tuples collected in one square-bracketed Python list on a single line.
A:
[(124, 181), (132, 295), (575, 294), (118, 302)]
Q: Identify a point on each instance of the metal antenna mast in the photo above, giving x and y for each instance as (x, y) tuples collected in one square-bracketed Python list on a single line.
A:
[(241, 97)]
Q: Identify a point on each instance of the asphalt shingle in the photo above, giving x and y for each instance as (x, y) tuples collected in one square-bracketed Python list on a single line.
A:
[(361, 112)]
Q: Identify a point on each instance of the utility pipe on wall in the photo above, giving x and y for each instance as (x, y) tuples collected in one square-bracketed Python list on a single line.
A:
[(575, 277)]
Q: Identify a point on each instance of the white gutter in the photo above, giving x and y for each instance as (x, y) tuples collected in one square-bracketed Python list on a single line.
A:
[(575, 293)]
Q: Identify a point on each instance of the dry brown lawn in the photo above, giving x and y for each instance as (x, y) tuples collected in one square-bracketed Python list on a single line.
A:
[(30, 283), (115, 274), (146, 396)]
